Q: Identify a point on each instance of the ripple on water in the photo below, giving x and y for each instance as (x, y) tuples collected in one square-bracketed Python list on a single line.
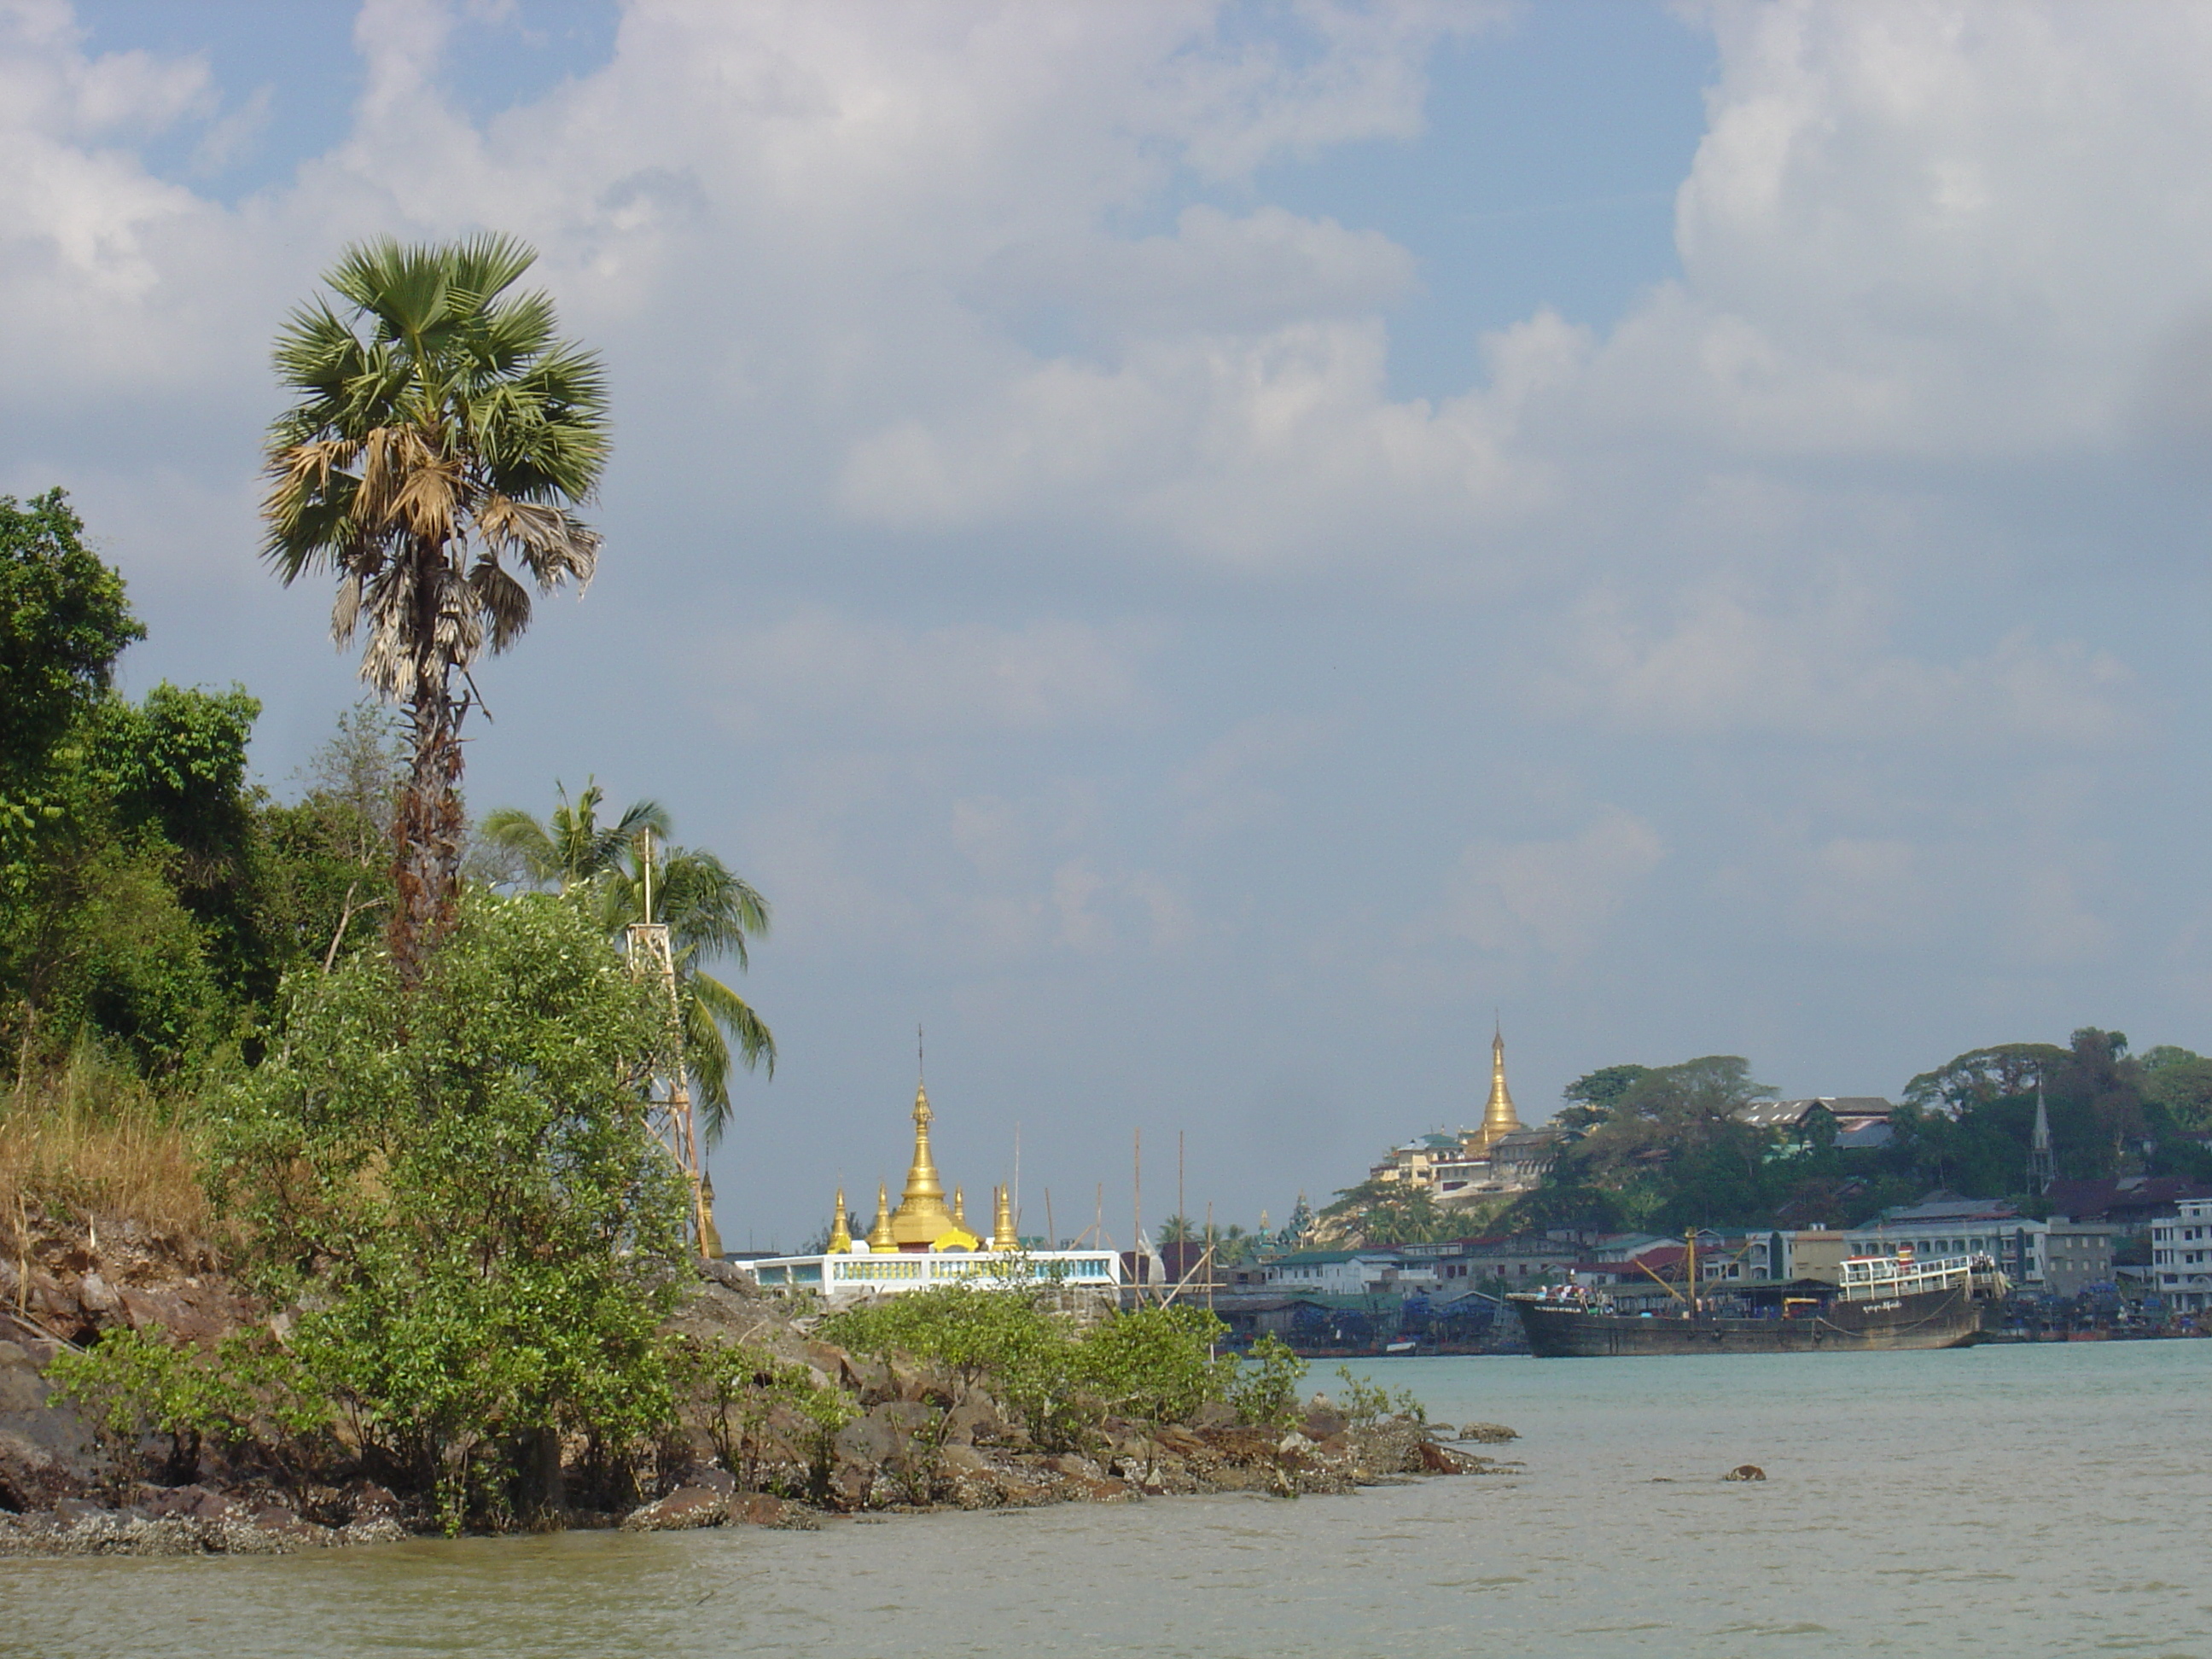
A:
[(1907, 1512)]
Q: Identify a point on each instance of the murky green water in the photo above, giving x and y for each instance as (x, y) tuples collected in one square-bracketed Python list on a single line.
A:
[(2004, 1501)]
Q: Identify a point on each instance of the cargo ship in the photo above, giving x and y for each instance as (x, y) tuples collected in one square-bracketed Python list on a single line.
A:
[(1878, 1302)]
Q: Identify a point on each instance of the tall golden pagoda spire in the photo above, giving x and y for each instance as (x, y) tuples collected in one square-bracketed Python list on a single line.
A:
[(1003, 1236), (1499, 1120), (921, 1216), (879, 1237), (841, 1228)]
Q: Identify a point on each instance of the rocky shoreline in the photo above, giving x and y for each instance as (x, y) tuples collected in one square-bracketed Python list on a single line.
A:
[(918, 1439)]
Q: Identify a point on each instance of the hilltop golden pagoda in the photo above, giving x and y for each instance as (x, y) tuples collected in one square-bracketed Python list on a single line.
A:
[(1499, 1120)]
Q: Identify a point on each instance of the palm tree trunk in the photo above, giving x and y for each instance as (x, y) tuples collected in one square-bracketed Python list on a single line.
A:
[(428, 830)]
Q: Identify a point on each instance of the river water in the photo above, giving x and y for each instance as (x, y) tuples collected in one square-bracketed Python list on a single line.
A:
[(2007, 1501)]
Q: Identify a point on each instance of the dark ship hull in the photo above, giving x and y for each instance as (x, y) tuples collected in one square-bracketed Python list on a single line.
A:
[(1931, 1319)]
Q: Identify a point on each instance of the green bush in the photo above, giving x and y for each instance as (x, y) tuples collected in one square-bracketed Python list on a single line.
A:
[(1366, 1402), (1265, 1390), (456, 1186), (245, 1390), (743, 1390), (1153, 1364)]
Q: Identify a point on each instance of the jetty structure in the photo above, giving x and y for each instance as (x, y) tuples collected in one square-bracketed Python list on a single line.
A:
[(925, 1242)]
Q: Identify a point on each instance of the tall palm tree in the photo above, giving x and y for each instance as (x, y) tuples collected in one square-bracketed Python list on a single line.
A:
[(572, 848), (443, 427), (709, 912)]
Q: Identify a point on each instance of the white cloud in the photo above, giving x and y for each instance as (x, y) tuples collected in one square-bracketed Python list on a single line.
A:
[(817, 667), (1948, 230), (1554, 896), (1719, 667)]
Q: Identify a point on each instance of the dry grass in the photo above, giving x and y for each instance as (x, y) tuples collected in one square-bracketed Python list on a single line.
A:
[(89, 1143)]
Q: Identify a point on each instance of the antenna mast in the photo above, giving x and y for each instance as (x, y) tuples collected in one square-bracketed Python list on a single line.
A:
[(668, 1090)]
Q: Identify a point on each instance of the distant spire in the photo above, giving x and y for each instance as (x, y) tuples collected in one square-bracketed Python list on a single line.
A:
[(1003, 1236), (2041, 1167), (841, 1228)]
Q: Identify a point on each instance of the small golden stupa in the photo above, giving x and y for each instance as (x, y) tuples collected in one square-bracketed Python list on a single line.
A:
[(879, 1236), (841, 1228)]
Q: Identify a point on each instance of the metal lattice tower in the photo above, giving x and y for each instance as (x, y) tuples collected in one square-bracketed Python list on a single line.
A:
[(668, 1090)]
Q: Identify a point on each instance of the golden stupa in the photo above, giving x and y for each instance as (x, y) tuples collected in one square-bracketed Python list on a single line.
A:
[(1499, 1120), (922, 1220), (921, 1217)]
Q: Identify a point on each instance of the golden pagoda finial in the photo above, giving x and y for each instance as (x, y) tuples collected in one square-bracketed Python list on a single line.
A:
[(1003, 1236), (960, 1207), (1499, 1120), (841, 1228), (880, 1240), (921, 1216)]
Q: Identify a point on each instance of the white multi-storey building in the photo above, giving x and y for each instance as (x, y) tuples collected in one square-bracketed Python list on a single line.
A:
[(2181, 1256)]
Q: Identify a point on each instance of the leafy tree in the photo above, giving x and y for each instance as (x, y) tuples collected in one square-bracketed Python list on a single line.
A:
[(443, 427), (1389, 1212), (2178, 1082), (63, 621), (2006, 1072), (458, 1190), (1590, 1097), (710, 913)]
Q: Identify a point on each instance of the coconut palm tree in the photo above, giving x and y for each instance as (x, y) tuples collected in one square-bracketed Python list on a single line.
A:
[(444, 431), (709, 912), (572, 848)]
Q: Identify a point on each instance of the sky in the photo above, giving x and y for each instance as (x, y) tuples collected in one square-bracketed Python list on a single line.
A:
[(1210, 553)]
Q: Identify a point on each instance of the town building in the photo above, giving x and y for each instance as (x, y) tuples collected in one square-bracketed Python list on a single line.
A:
[(2077, 1255), (2181, 1256), (1513, 1262), (1350, 1273), (1859, 1121), (2130, 1203)]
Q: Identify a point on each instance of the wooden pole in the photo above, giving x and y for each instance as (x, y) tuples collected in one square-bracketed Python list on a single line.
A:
[(1051, 1233), (1137, 1209)]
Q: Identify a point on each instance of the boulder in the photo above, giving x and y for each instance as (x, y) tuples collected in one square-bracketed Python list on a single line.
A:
[(681, 1510), (869, 1439), (963, 1459), (906, 1417), (172, 1502), (1321, 1422), (1214, 1414), (368, 1503), (1488, 1433), (1435, 1460), (1746, 1472)]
